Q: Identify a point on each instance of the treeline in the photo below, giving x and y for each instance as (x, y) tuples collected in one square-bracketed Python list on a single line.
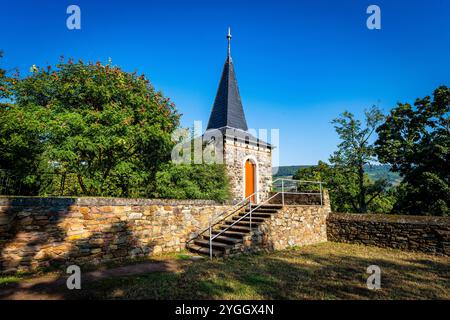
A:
[(89, 129), (374, 171), (414, 140)]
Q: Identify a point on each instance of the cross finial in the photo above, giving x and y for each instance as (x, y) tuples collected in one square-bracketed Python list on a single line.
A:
[(229, 41)]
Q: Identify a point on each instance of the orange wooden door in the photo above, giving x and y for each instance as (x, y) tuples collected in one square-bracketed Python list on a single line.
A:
[(249, 180)]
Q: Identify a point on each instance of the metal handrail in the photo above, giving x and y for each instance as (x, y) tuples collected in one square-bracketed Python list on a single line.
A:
[(241, 203), (211, 237), (245, 215), (300, 181), (307, 181)]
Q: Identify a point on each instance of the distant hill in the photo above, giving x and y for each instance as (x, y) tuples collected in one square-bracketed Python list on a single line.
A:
[(375, 172), (288, 171)]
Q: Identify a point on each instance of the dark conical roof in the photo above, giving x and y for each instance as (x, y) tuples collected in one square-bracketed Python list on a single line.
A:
[(227, 114), (227, 110)]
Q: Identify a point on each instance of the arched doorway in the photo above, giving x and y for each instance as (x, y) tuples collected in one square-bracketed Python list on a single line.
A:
[(250, 179)]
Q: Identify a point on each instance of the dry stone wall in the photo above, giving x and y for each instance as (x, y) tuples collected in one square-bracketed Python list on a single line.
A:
[(41, 232), (416, 233), (291, 226)]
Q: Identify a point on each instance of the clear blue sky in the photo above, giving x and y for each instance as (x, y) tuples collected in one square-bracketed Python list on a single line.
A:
[(299, 64)]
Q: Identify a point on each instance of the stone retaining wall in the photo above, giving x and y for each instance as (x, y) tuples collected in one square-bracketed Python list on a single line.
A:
[(291, 226), (294, 226), (416, 233), (40, 232)]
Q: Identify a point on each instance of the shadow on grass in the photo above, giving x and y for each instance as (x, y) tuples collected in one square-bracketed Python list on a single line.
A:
[(326, 271), (29, 233), (292, 274)]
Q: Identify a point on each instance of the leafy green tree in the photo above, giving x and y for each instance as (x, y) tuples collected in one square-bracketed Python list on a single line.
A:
[(349, 186), (7, 83), (109, 128), (19, 138), (4, 84), (342, 185), (192, 181), (355, 151), (415, 140)]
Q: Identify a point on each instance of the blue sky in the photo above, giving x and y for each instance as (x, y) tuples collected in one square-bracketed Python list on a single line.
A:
[(299, 64)]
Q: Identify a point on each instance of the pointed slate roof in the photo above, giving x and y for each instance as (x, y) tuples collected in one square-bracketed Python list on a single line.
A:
[(227, 110)]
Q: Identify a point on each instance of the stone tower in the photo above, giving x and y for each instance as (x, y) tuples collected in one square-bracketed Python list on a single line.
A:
[(248, 160)]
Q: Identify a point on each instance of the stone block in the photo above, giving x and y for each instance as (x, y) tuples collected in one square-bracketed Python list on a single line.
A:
[(135, 215)]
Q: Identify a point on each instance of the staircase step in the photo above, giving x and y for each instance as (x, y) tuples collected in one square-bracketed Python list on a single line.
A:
[(235, 228), (247, 218), (215, 245), (267, 206), (223, 238), (260, 210), (203, 250), (242, 223), (257, 215), (231, 234)]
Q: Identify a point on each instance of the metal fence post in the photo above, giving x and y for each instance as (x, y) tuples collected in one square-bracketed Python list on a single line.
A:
[(282, 191), (250, 221), (321, 194), (210, 242)]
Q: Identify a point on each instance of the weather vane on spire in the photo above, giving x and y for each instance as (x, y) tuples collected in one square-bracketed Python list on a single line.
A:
[(229, 41)]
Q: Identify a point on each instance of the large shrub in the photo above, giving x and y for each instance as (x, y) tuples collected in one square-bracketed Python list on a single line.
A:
[(108, 129), (415, 140), (192, 181)]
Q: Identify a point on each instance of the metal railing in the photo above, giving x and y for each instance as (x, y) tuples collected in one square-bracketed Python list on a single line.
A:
[(284, 190), (291, 186), (62, 184), (10, 184), (223, 215)]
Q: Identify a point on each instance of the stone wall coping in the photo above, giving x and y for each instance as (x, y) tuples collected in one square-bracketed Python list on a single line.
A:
[(99, 201), (302, 205), (391, 218)]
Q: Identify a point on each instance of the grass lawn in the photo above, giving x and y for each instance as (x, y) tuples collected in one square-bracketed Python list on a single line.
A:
[(324, 271)]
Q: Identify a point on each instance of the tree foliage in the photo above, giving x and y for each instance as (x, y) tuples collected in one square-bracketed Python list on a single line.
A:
[(355, 151), (110, 128), (350, 188), (192, 181), (343, 187), (415, 140), (6, 83), (96, 130)]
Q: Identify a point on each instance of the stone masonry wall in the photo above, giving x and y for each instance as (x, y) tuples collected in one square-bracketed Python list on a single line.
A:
[(40, 232), (235, 154), (416, 233)]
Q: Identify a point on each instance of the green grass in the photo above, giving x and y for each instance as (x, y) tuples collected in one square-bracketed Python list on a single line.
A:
[(325, 271), (5, 280)]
